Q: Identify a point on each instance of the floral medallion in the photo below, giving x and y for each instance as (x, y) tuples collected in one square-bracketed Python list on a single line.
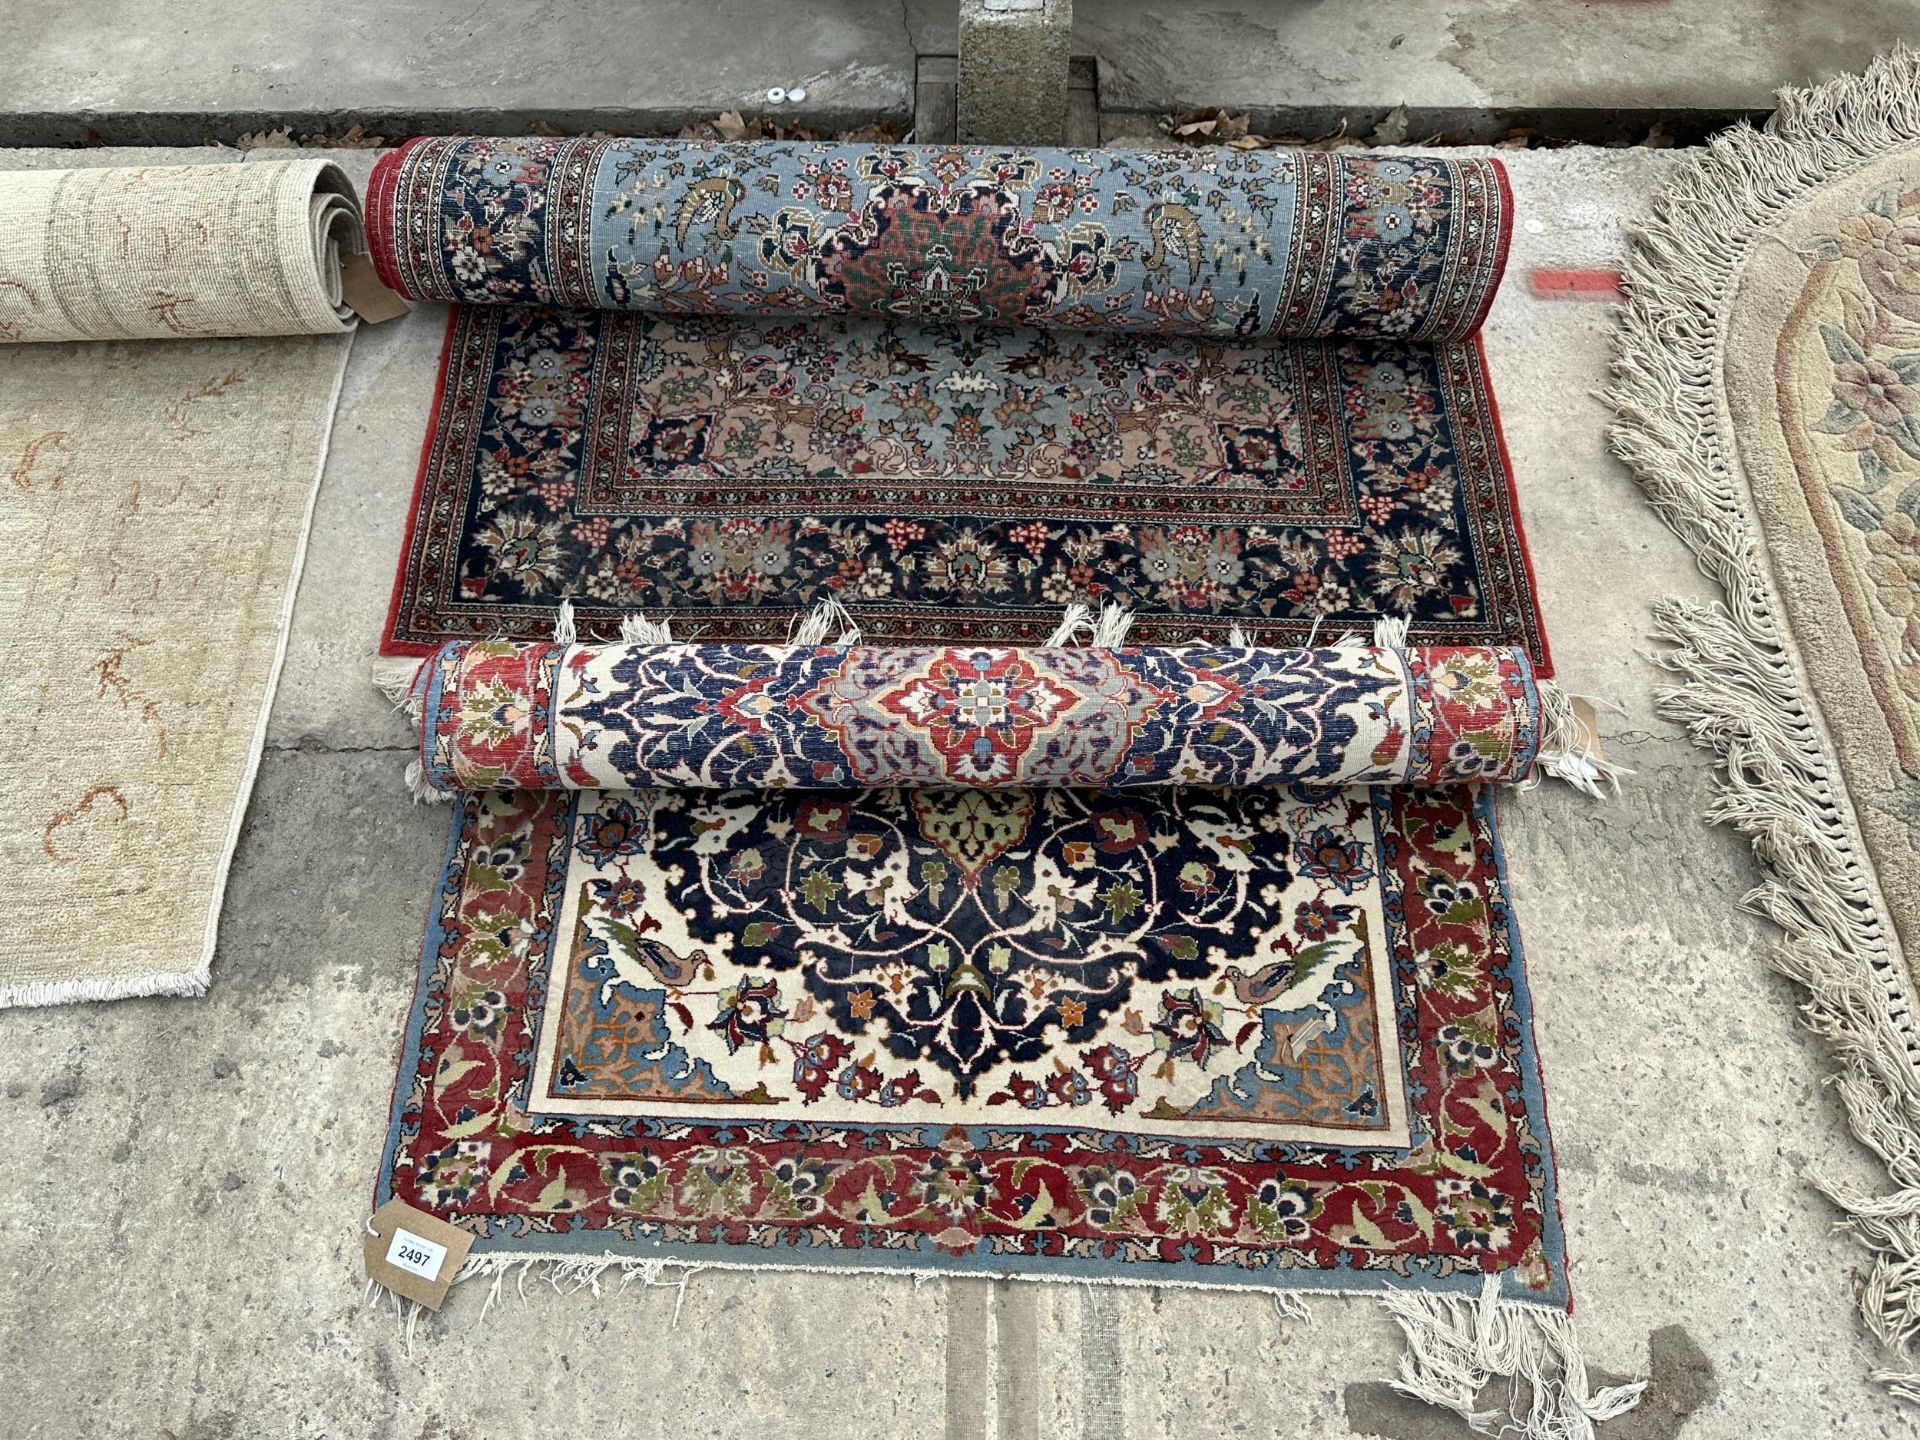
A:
[(1241, 1038), (955, 388), (1848, 379), (531, 715)]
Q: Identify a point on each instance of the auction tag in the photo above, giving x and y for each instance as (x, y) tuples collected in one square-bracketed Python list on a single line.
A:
[(413, 1253), (416, 1253), (1589, 722), (361, 288)]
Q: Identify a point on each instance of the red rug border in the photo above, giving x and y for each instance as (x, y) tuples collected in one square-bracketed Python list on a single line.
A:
[(1543, 667), (382, 186), (388, 645)]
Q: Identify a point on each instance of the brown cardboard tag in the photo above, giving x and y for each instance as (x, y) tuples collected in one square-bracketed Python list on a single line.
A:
[(1590, 723), (360, 287), (413, 1253)]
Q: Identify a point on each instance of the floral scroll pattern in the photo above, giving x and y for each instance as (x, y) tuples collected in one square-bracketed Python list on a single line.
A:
[(955, 483), (1132, 1156), (534, 716), (1254, 244), (1860, 461)]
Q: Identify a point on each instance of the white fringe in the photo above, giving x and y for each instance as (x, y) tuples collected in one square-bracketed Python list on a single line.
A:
[(1739, 693), (565, 632), (638, 630), (1569, 750), (1105, 631), (826, 613), (102, 987), (1111, 627), (422, 792), (1389, 633), (1291, 1307), (1455, 1346), (394, 676), (1076, 620)]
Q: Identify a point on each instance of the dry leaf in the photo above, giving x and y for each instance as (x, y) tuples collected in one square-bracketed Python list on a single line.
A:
[(1213, 123), (1392, 130), (878, 132)]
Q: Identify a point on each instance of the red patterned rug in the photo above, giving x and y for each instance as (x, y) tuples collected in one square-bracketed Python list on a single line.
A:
[(1270, 1038)]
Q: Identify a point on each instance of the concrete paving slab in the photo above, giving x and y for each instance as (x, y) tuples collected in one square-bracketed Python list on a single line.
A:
[(186, 71), (1596, 71), (178, 1204), (182, 71)]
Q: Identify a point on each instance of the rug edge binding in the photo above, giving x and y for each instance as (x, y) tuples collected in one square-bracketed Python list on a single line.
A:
[(25, 994), (1741, 693)]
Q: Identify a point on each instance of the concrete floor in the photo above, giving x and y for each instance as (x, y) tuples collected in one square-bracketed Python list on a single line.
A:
[(188, 71), (179, 1254)]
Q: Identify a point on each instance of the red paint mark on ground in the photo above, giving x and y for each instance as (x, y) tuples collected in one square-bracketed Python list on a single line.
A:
[(1550, 284)]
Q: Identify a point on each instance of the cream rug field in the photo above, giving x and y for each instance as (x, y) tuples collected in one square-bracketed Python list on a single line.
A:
[(1769, 395), (154, 500)]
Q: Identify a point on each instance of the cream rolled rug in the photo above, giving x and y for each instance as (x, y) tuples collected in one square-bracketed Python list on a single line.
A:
[(154, 501), (1768, 388), (161, 252)]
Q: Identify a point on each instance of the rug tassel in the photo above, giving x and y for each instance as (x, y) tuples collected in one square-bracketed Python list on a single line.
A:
[(826, 613), (1110, 630), (1291, 1307), (638, 630), (1076, 620), (564, 630), (398, 678), (423, 792), (1456, 1346), (1237, 637), (1390, 632), (1569, 750)]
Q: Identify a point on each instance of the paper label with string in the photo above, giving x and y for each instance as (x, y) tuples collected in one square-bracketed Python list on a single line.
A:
[(414, 1254)]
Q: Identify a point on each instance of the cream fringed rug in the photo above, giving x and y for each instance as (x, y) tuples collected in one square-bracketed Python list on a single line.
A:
[(1768, 386), (154, 499)]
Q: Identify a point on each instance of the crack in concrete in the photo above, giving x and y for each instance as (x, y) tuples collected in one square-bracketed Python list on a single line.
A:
[(311, 746)]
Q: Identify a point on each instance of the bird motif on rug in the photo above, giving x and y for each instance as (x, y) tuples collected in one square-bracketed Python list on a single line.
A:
[(1266, 984), (1262, 986), (674, 971), (710, 200), (1176, 236)]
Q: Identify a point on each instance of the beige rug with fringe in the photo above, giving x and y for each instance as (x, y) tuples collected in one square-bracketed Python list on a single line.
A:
[(154, 500), (1768, 390)]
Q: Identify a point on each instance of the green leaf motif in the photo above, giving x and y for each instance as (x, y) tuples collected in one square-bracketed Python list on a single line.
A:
[(1860, 512), (1122, 899), (1841, 347)]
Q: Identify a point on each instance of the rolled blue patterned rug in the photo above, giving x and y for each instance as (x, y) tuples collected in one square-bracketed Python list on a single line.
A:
[(1253, 244)]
